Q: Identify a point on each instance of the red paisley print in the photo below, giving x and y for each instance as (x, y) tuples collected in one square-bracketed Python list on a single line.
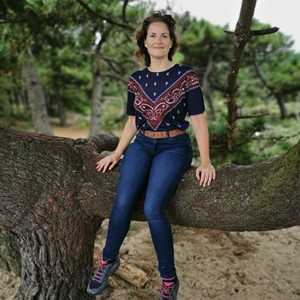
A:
[(155, 111)]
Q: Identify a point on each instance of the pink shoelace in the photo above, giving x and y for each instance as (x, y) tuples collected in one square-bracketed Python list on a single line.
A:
[(166, 288), (102, 264)]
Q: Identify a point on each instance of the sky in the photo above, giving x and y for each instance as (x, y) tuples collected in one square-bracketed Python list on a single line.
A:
[(282, 14)]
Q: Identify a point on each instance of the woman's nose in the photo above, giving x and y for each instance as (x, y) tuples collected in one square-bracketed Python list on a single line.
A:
[(159, 39)]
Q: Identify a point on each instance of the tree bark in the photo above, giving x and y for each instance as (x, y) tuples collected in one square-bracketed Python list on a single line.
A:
[(241, 36), (36, 97), (56, 253), (53, 200)]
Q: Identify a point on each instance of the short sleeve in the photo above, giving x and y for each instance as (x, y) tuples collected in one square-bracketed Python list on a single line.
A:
[(194, 95), (130, 99)]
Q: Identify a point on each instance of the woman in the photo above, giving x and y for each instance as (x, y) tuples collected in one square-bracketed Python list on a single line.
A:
[(159, 97)]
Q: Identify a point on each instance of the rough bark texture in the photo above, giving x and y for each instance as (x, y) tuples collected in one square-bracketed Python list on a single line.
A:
[(53, 200)]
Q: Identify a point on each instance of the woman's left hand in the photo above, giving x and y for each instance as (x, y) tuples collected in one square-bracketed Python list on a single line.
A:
[(205, 173)]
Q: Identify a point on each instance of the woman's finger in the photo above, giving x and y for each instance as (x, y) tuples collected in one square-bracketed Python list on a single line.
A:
[(106, 166), (99, 166), (99, 163), (210, 179), (207, 178), (203, 178), (112, 165)]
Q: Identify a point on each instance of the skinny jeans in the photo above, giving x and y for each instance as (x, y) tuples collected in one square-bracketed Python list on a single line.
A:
[(153, 166)]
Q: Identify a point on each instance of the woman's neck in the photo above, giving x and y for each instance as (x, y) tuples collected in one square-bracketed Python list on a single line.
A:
[(158, 66)]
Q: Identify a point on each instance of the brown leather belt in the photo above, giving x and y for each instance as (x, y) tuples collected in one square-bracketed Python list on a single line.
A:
[(162, 134)]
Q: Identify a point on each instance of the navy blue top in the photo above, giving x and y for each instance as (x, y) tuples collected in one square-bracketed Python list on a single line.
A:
[(161, 100)]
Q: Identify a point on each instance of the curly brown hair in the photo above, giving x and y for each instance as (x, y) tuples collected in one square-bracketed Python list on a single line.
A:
[(141, 35)]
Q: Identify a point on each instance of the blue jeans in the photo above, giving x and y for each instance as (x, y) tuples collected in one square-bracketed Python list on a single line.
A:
[(157, 165)]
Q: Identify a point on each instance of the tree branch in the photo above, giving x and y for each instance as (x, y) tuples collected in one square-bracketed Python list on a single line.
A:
[(95, 14), (258, 32), (262, 196)]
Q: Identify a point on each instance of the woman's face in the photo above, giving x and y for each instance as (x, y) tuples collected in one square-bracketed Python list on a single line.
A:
[(158, 41)]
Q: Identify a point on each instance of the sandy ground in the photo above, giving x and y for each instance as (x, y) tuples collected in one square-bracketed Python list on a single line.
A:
[(210, 264)]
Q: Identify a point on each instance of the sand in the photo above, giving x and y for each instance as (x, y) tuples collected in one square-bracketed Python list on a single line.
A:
[(210, 264)]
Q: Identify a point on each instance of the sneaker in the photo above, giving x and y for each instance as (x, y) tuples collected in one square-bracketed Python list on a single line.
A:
[(100, 279), (168, 290)]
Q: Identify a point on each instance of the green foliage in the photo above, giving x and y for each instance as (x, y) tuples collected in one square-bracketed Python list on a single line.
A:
[(61, 35), (44, 7)]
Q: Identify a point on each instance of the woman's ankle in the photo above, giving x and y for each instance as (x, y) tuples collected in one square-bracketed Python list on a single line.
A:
[(170, 279)]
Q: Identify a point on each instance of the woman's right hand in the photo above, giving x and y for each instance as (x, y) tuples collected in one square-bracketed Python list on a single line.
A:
[(108, 161)]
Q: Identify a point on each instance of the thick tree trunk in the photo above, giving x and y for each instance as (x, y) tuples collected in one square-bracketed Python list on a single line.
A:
[(54, 235), (56, 253), (36, 97), (54, 201)]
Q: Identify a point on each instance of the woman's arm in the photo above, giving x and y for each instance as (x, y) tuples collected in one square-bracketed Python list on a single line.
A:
[(205, 173), (200, 128), (128, 133), (109, 161)]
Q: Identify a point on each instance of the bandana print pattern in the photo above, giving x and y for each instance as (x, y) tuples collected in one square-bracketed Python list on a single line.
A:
[(155, 111)]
